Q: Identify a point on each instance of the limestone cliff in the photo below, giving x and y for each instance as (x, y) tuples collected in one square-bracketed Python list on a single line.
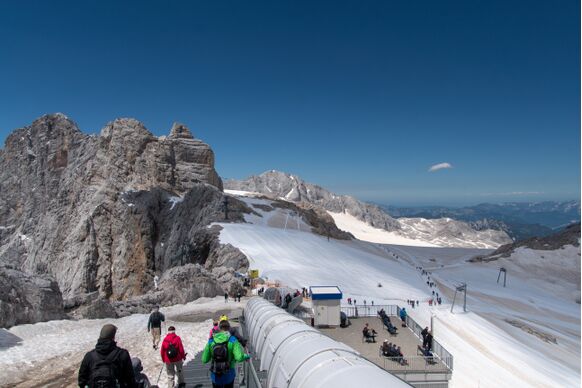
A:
[(103, 214)]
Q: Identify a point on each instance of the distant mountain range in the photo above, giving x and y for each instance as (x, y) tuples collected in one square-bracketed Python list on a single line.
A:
[(444, 231), (519, 219)]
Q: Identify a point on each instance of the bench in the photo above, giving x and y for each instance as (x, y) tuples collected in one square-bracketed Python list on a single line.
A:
[(429, 359)]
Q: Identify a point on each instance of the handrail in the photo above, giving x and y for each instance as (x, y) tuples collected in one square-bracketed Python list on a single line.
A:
[(366, 310), (437, 349)]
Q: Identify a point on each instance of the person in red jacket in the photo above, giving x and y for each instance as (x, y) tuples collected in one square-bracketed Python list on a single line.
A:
[(173, 356)]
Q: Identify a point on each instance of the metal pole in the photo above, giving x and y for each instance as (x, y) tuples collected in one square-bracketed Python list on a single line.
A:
[(454, 298), (465, 299), (504, 277), (432, 324), (498, 275)]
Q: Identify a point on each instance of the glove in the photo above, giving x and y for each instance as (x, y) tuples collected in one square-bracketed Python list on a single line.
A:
[(247, 357)]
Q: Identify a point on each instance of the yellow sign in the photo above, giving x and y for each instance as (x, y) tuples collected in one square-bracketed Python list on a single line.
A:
[(254, 273)]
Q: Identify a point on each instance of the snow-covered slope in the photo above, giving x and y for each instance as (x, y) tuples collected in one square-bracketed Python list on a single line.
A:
[(506, 339), (439, 232), (36, 354)]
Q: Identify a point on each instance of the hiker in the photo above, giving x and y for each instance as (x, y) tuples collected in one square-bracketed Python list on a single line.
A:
[(141, 379), (403, 314), (238, 295), (214, 329), (226, 297), (156, 279), (155, 325), (427, 341), (424, 333), (107, 365), (372, 303), (417, 303), (173, 356), (224, 351), (364, 302), (355, 302)]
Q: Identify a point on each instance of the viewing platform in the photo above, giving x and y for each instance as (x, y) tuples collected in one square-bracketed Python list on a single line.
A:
[(419, 371)]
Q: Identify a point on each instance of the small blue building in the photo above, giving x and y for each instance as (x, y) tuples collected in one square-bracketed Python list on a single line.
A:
[(326, 305)]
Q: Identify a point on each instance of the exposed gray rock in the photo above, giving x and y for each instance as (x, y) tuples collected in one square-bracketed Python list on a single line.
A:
[(27, 299), (104, 214), (276, 184)]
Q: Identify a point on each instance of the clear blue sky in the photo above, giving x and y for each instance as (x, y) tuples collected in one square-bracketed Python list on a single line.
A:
[(359, 97)]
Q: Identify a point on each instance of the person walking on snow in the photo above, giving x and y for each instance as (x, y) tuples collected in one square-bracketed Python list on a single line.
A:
[(226, 297), (173, 356), (155, 325), (224, 351), (107, 365)]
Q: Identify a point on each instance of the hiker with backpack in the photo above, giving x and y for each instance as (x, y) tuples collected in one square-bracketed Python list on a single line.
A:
[(155, 324), (223, 351), (107, 366), (173, 356)]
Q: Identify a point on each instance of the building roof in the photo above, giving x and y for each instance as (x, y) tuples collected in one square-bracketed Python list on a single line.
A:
[(325, 292)]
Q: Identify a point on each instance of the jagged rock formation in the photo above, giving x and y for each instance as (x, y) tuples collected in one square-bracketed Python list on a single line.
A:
[(276, 184), (442, 232), (105, 214)]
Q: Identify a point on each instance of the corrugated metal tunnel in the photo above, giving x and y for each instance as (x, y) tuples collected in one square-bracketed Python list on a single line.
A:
[(299, 356)]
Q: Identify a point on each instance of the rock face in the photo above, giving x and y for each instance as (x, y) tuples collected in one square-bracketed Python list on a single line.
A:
[(21, 295), (441, 232), (105, 214)]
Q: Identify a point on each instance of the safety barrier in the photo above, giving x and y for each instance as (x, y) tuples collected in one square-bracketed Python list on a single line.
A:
[(363, 310), (437, 349)]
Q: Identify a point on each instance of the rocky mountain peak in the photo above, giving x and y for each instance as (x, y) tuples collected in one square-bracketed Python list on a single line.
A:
[(104, 214), (180, 131)]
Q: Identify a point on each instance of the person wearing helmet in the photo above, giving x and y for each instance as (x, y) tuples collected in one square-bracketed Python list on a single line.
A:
[(232, 330)]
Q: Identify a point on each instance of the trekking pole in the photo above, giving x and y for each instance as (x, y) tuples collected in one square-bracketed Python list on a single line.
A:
[(160, 375)]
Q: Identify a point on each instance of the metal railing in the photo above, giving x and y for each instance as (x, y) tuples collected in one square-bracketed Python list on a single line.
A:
[(437, 349), (248, 377), (362, 310), (410, 364)]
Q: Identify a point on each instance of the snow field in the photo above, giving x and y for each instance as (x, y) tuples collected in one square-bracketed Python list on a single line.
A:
[(59, 346), (488, 351)]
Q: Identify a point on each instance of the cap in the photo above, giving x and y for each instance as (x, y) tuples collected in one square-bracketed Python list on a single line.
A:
[(171, 328), (223, 318)]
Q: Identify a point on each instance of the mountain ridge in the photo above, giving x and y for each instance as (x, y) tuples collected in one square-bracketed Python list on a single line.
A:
[(292, 188)]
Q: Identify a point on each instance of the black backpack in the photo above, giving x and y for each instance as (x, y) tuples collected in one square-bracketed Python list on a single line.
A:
[(156, 319), (103, 371), (220, 363), (172, 351)]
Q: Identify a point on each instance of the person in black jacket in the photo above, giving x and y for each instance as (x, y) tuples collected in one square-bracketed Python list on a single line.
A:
[(107, 365), (155, 324), (427, 342)]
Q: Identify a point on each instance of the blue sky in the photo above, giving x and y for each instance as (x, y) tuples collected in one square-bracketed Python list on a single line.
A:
[(359, 97)]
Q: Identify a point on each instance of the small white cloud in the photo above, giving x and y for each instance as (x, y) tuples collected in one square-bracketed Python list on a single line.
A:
[(440, 166)]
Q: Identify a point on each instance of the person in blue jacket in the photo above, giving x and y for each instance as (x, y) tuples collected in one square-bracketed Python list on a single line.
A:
[(403, 314)]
